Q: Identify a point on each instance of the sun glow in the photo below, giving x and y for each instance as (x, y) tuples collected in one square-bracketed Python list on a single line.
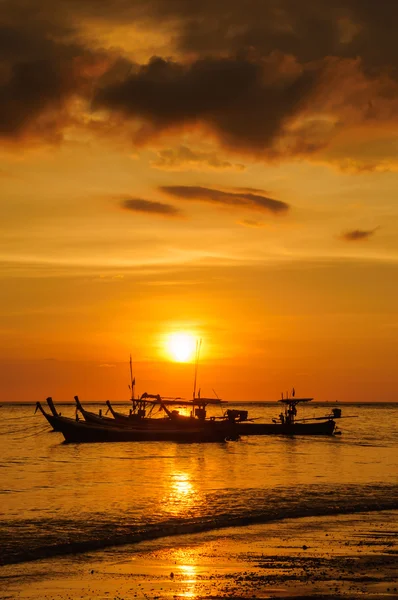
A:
[(181, 346)]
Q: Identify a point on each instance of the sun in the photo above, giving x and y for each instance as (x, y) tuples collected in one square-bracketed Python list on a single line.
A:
[(181, 346)]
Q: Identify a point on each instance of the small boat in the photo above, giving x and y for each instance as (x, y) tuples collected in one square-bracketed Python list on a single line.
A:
[(287, 424)]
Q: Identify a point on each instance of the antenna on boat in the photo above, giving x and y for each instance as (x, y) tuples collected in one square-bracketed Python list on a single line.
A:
[(132, 380), (215, 393), (197, 353)]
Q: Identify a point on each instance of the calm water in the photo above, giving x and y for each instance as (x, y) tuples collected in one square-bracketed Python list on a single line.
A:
[(57, 499)]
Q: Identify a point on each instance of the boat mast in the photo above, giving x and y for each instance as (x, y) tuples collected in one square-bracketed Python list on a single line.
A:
[(132, 381), (197, 353)]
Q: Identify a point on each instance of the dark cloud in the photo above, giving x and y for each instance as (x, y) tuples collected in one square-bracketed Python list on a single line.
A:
[(270, 107), (237, 199), (246, 102), (308, 29), (358, 235), (42, 69), (274, 78), (150, 207)]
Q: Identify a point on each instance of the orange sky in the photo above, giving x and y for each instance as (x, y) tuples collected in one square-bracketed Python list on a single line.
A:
[(223, 168)]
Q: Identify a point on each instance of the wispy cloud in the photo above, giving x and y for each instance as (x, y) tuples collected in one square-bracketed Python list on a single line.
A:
[(150, 207), (251, 223), (358, 235), (184, 158), (226, 198)]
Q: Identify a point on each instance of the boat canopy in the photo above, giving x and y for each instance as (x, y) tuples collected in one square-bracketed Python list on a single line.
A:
[(294, 400), (157, 399)]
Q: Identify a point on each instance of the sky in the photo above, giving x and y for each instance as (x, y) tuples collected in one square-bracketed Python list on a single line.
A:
[(225, 170)]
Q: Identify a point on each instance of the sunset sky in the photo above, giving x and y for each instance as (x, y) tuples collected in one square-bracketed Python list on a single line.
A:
[(226, 169)]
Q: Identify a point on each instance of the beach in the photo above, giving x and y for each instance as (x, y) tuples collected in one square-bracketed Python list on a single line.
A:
[(343, 556)]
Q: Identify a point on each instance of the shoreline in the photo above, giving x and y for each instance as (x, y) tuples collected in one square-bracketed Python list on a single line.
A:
[(344, 556)]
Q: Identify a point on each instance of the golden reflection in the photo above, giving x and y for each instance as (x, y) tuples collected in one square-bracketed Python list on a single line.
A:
[(185, 564), (189, 570), (182, 485), (181, 496)]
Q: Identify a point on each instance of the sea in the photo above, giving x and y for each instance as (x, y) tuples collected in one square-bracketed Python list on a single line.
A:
[(60, 499)]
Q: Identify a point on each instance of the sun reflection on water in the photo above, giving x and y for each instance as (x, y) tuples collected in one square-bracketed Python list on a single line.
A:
[(185, 565), (182, 485), (181, 495)]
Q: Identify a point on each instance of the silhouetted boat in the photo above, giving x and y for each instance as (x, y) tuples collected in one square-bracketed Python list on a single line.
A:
[(173, 427), (55, 419), (91, 417), (118, 416), (287, 423), (142, 415), (50, 418), (83, 432)]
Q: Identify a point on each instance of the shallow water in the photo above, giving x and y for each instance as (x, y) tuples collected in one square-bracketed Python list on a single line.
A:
[(58, 499)]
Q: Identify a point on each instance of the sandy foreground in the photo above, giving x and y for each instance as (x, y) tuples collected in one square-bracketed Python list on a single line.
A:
[(322, 557)]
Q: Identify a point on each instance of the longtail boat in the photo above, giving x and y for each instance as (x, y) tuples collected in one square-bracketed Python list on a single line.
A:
[(173, 427), (50, 418), (83, 432), (287, 424), (91, 417), (142, 415), (55, 419)]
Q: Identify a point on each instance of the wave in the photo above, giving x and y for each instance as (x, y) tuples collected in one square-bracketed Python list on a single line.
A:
[(33, 539)]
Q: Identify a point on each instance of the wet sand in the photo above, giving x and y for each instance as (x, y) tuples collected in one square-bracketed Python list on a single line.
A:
[(351, 556)]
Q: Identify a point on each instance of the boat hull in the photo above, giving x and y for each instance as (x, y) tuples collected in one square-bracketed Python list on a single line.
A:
[(53, 419), (82, 432), (321, 428)]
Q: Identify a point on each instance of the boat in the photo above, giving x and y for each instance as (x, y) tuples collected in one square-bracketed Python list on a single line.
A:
[(91, 417), (142, 415), (50, 418), (287, 424), (83, 432), (118, 416), (144, 407), (55, 419), (173, 427)]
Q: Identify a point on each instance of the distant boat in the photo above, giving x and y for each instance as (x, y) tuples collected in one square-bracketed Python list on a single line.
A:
[(287, 424)]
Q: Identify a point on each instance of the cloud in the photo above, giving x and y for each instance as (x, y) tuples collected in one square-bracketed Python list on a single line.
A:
[(42, 72), (251, 223), (358, 235), (273, 79), (309, 29), (245, 102), (150, 207), (184, 158), (222, 198), (271, 107)]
